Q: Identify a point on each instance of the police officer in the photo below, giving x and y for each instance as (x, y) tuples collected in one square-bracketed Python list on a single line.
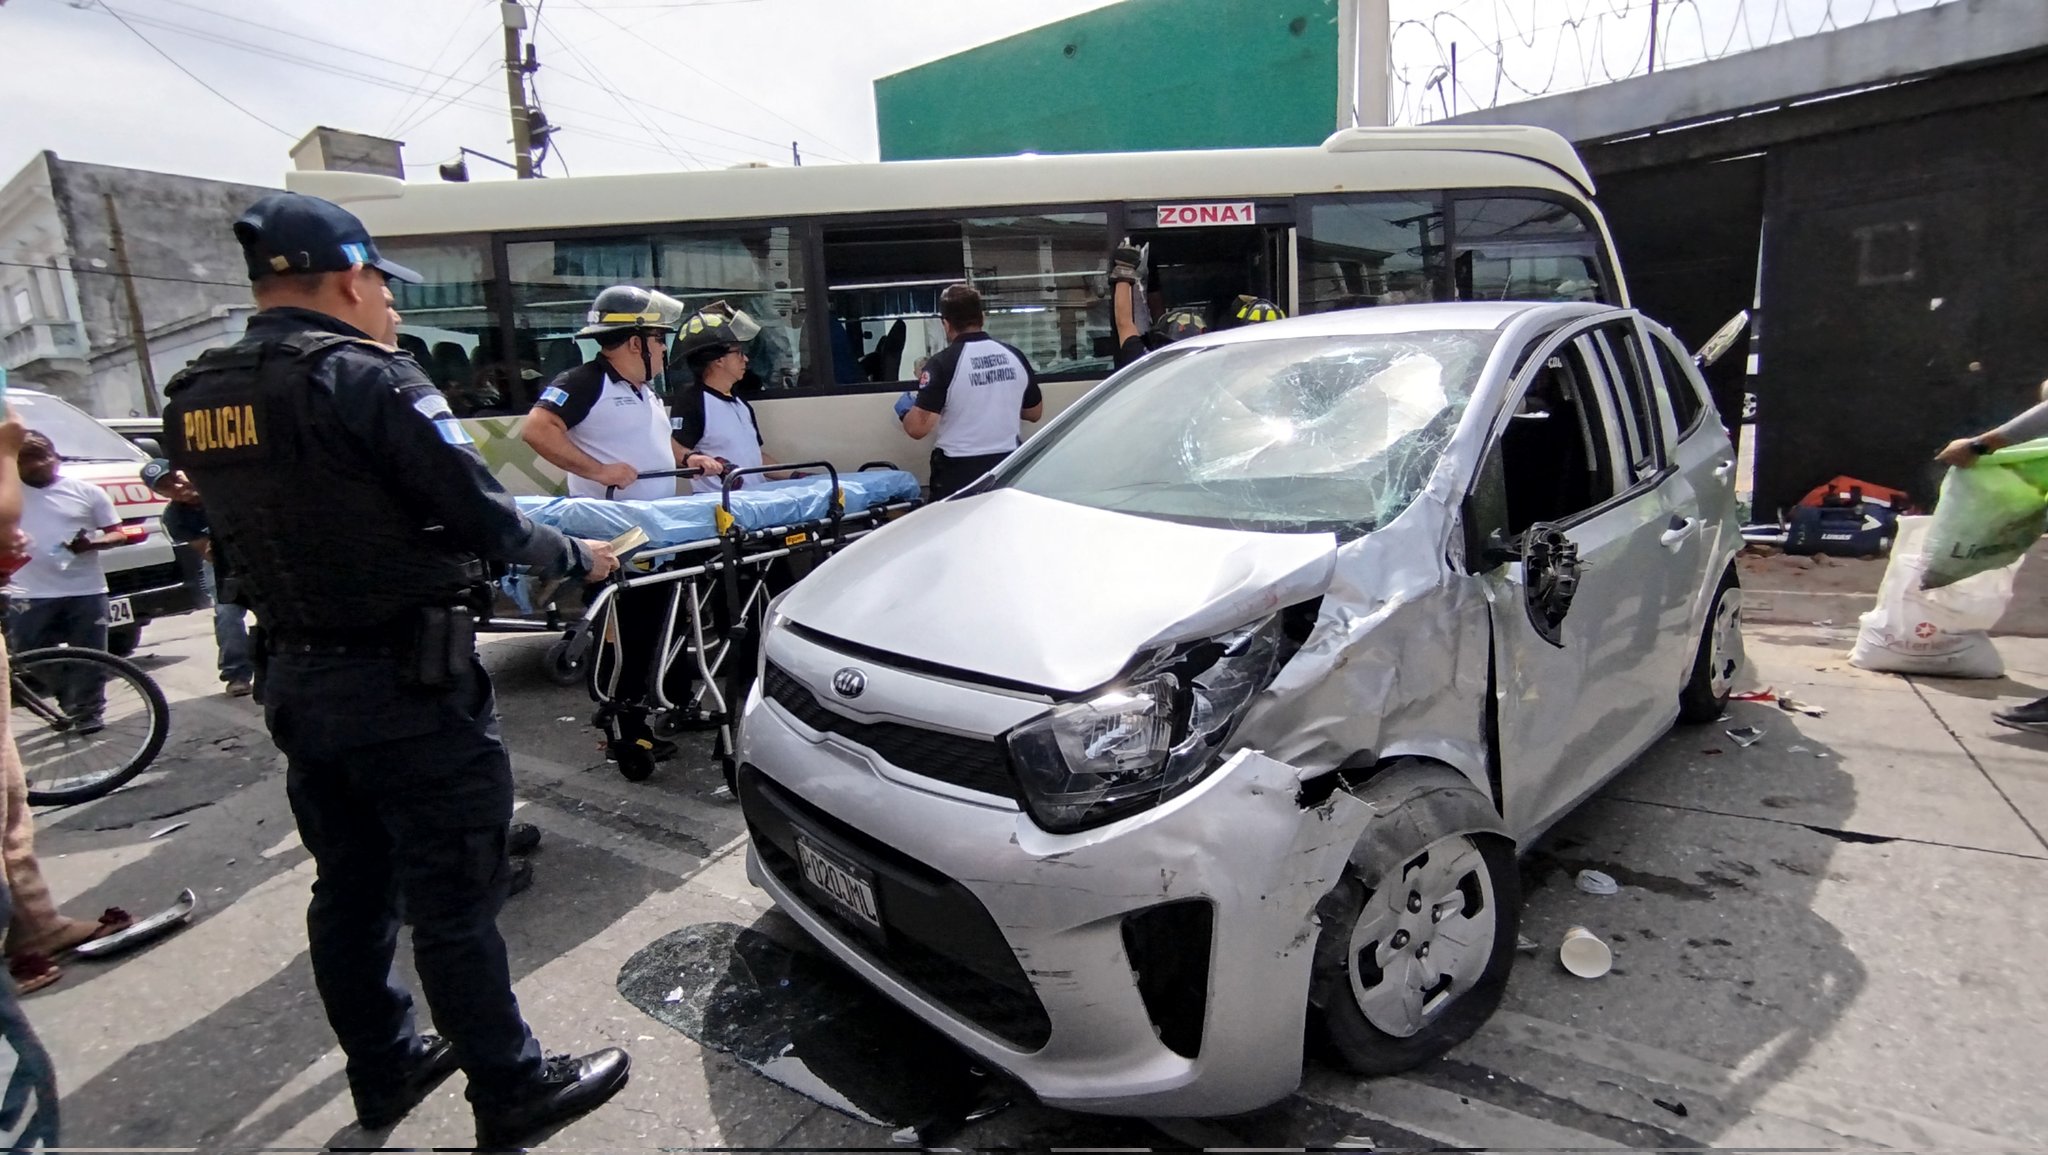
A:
[(353, 515), (971, 393)]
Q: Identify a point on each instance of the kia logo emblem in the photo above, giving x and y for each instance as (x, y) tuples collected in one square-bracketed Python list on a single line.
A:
[(849, 683)]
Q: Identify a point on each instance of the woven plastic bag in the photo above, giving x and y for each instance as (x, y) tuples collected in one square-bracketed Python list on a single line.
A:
[(1944, 632), (1988, 515)]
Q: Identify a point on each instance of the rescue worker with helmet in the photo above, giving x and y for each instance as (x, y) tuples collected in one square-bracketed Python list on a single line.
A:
[(710, 420), (603, 421), (353, 514)]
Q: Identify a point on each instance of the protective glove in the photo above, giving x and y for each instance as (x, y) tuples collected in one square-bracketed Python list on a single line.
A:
[(904, 403), (1127, 262)]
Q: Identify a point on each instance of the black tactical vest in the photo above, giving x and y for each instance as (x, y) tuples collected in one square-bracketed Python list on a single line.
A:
[(310, 524)]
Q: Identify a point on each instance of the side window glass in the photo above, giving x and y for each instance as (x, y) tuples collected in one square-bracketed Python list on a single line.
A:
[(1035, 273), (759, 270), (1358, 251), (1682, 385), (1555, 454), (1636, 410), (1524, 248), (449, 324)]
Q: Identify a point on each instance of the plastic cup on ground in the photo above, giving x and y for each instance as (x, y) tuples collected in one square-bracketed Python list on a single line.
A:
[(1583, 954)]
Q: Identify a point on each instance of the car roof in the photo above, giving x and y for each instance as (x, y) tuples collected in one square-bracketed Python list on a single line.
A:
[(1369, 321)]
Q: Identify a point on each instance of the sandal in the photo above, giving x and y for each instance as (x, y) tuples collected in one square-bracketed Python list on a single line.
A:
[(32, 971), (113, 920)]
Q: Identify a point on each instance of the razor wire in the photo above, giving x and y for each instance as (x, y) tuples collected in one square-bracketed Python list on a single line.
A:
[(1454, 56)]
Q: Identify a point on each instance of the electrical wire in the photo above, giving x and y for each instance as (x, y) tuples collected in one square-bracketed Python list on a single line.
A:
[(241, 284), (195, 76)]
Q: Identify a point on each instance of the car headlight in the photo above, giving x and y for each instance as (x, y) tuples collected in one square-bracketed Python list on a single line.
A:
[(1087, 763)]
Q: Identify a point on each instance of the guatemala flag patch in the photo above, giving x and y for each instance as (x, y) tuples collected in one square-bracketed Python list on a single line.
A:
[(554, 395)]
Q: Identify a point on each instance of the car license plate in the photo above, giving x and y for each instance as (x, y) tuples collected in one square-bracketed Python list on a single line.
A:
[(849, 887), (120, 612)]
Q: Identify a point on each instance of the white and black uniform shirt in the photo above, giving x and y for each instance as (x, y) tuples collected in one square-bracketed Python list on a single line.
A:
[(979, 387), (717, 425), (613, 422)]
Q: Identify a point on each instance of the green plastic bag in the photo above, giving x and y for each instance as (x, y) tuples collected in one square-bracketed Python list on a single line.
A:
[(1988, 515)]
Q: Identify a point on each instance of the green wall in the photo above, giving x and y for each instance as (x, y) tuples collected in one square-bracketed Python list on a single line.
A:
[(1135, 76)]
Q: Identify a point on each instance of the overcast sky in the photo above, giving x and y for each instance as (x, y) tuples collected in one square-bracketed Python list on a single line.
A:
[(638, 85)]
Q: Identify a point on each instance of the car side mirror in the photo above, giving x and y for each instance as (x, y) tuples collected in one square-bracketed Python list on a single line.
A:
[(1550, 572), (1498, 551), (150, 445), (1717, 346)]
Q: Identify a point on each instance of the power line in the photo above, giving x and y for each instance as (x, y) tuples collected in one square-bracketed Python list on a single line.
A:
[(195, 76), (629, 110), (74, 269), (406, 107)]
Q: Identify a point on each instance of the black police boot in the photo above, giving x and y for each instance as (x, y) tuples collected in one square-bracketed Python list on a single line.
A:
[(522, 876), (568, 1087), (2032, 717), (522, 838), (431, 1063)]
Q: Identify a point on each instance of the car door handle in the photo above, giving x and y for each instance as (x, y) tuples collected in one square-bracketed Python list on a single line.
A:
[(1722, 470), (1679, 529)]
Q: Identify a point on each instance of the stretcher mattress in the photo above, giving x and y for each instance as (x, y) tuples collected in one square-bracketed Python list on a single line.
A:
[(762, 504)]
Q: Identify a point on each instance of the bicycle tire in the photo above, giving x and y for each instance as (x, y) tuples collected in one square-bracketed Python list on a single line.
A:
[(152, 695)]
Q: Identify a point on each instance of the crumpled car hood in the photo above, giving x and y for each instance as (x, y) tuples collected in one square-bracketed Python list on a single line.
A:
[(1008, 585)]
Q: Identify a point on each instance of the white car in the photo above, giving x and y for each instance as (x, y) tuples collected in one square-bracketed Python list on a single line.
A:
[(144, 578), (1219, 712)]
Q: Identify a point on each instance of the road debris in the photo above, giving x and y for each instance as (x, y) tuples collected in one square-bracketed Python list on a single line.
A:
[(1527, 945), (1595, 882), (1746, 736), (674, 996), (1673, 1106), (1583, 954), (173, 828), (1793, 705), (1764, 695)]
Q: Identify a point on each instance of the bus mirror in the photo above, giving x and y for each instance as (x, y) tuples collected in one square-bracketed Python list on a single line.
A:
[(1717, 346)]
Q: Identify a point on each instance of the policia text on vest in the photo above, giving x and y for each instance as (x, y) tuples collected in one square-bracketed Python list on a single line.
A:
[(220, 427)]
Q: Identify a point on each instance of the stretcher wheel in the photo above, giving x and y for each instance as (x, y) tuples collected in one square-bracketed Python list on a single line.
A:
[(635, 761), (564, 662)]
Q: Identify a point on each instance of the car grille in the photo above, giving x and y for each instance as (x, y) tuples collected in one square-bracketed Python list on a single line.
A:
[(936, 936), (975, 763), (149, 577)]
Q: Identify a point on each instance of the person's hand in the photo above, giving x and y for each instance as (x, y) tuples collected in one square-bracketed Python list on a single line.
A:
[(203, 547), (1958, 453), (617, 474), (1127, 262), (80, 543), (904, 403), (602, 560), (711, 466), (12, 433)]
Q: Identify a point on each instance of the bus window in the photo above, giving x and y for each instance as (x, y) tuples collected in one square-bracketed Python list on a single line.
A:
[(1523, 248), (757, 269), (1371, 250), (1038, 277), (448, 323)]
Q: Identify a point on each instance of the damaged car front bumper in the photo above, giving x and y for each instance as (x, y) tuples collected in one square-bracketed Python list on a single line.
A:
[(1157, 965)]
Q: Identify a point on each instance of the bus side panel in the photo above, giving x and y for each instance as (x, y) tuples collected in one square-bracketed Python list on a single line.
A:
[(513, 462), (850, 430)]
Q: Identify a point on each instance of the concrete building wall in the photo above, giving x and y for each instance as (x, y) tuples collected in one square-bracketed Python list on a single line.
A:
[(41, 339), (1137, 76), (180, 248)]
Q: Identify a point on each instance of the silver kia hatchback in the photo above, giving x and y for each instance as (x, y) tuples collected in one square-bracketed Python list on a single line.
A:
[(1217, 714)]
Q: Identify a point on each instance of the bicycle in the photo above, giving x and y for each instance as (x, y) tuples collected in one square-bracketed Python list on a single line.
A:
[(85, 722)]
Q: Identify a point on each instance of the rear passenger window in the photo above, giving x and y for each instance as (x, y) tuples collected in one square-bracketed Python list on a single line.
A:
[(1682, 387)]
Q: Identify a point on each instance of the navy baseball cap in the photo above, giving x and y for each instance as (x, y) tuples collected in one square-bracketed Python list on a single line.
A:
[(156, 472), (296, 233)]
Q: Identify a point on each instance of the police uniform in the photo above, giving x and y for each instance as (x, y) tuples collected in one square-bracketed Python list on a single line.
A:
[(354, 516), (979, 387)]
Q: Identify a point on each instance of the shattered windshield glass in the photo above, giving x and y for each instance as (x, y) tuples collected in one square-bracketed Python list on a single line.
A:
[(1304, 435)]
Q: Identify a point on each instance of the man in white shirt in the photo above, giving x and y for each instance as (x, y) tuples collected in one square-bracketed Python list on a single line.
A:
[(972, 393), (602, 422), (60, 596)]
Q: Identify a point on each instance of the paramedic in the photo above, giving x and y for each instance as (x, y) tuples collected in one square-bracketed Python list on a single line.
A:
[(713, 428), (971, 393), (366, 662)]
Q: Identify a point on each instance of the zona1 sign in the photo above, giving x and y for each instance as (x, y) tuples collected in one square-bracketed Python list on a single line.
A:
[(1184, 216)]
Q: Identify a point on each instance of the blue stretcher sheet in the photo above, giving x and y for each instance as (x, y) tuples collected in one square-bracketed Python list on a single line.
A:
[(762, 504)]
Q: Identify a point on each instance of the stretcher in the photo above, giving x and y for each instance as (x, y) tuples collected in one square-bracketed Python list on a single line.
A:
[(704, 573)]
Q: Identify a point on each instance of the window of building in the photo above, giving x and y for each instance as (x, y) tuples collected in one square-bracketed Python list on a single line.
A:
[(449, 323), (1358, 251), (1040, 278), (758, 269), (1524, 248), (24, 307)]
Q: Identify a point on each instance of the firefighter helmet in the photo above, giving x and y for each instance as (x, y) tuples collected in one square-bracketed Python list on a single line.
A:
[(631, 309), (1253, 309)]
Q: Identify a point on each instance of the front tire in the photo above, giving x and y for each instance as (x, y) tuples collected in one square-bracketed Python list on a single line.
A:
[(1417, 939), (1719, 658)]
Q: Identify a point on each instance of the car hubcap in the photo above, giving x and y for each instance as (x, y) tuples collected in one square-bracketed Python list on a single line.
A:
[(1725, 643), (1424, 937)]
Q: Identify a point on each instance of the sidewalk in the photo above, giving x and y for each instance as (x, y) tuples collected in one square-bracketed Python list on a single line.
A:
[(1786, 590)]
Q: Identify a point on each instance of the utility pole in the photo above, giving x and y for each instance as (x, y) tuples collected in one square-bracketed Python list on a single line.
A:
[(796, 157), (515, 88), (142, 363), (1653, 35)]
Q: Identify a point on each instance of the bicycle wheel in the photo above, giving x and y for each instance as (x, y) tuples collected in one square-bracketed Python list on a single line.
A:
[(84, 721)]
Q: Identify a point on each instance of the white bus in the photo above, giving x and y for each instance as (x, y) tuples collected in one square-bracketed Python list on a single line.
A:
[(843, 264)]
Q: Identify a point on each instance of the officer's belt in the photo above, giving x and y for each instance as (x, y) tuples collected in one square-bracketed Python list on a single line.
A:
[(381, 642)]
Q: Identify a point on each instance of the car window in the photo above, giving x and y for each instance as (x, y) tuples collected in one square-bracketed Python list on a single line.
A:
[(1312, 434), (1557, 455), (1636, 410), (1682, 385), (77, 436)]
